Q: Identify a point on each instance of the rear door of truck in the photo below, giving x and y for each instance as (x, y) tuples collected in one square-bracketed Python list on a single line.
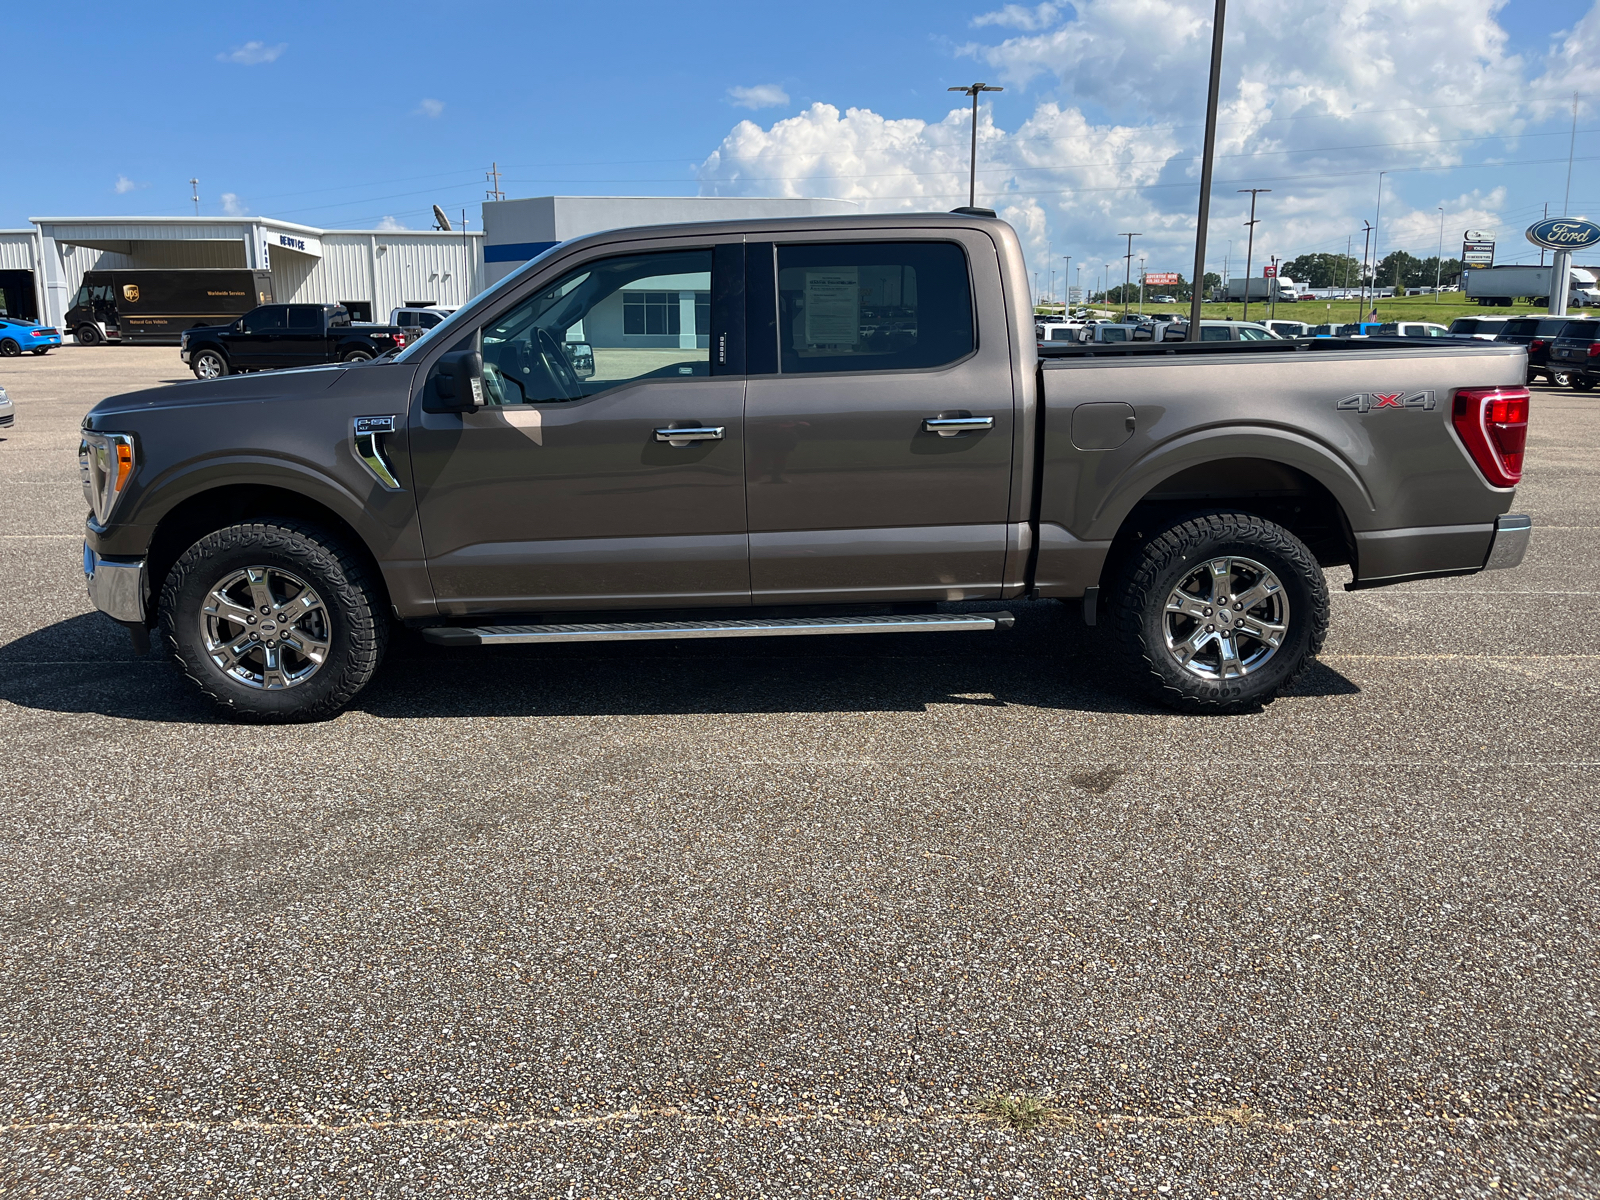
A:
[(879, 418)]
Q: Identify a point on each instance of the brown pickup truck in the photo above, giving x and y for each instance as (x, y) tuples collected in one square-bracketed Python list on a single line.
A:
[(818, 426)]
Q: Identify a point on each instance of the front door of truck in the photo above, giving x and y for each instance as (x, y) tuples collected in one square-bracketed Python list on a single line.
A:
[(250, 345), (880, 441), (568, 489)]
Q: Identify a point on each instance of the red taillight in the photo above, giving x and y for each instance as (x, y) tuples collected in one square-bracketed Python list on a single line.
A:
[(399, 339), (1594, 349), (1493, 425), (1536, 344)]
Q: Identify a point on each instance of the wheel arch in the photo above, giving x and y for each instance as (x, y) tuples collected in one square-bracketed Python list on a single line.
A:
[(206, 511)]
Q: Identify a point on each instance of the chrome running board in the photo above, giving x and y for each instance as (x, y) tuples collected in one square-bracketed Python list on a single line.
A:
[(647, 631)]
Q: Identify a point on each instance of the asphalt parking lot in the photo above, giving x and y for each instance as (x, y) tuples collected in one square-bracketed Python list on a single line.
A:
[(727, 918)]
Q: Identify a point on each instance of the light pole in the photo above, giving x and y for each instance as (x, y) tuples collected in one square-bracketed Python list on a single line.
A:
[(194, 186), (1250, 245), (974, 90), (1207, 154), (1438, 259), (1272, 289), (1365, 246), (1141, 285), (1066, 268), (1127, 274), (1376, 222)]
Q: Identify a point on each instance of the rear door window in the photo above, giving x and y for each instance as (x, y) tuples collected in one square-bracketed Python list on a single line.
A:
[(1215, 333), (304, 318), (873, 306)]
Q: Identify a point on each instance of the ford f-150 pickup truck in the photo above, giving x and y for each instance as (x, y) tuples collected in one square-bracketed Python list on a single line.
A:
[(285, 335), (814, 426)]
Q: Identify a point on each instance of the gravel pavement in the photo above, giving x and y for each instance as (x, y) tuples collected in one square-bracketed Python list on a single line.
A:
[(746, 918)]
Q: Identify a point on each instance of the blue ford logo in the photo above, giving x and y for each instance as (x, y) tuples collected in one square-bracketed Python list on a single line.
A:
[(1564, 233)]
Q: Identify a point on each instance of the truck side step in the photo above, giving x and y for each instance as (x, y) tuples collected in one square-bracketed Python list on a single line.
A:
[(645, 631)]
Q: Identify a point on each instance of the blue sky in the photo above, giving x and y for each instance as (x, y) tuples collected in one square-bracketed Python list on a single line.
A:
[(345, 117)]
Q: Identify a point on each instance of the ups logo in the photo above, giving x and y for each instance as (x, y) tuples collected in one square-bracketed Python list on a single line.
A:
[(130, 293)]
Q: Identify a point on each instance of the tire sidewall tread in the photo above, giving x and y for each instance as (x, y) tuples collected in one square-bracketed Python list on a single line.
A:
[(1140, 597), (358, 624)]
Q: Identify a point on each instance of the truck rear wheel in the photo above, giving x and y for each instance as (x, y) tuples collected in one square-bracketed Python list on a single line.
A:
[(275, 620), (209, 364), (357, 356), (1220, 612)]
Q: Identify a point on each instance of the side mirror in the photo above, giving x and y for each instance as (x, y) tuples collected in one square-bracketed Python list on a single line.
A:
[(238, 326), (457, 383), (581, 356)]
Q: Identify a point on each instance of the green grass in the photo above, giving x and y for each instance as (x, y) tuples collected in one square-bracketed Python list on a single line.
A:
[(1443, 310), (1021, 1112)]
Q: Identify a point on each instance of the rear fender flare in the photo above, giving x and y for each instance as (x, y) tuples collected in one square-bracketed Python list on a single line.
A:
[(1291, 449)]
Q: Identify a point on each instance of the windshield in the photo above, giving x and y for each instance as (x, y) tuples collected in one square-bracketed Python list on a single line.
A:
[(460, 318)]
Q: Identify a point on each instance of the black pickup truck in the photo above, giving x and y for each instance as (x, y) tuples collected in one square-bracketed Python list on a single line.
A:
[(286, 335)]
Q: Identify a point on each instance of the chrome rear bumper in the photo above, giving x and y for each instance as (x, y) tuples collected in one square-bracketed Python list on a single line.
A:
[(1511, 533)]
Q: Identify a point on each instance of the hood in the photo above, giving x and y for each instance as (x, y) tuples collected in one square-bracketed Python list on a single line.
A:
[(233, 389)]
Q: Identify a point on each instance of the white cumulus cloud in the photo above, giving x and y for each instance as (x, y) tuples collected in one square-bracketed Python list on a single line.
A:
[(1316, 101), (391, 223), (430, 108), (763, 95), (232, 206), (124, 185), (253, 53)]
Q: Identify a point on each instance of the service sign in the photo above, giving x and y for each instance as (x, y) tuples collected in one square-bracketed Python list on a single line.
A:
[(1564, 233)]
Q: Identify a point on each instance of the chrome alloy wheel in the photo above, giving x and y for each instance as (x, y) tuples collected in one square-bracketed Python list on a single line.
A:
[(1226, 618), (266, 628), (208, 366)]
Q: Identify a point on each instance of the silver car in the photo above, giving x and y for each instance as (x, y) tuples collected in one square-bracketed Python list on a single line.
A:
[(8, 411)]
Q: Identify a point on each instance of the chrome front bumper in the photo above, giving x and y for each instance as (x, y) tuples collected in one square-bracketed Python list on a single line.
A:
[(115, 588), (1511, 533)]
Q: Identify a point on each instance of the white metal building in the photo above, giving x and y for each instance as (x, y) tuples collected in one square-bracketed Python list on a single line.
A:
[(371, 270)]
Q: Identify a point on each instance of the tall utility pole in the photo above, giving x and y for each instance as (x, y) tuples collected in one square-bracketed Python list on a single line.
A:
[(1365, 246), (1127, 274), (1438, 259), (974, 90), (1376, 221), (194, 186), (1207, 154), (1250, 245), (1349, 244), (493, 176), (1272, 289)]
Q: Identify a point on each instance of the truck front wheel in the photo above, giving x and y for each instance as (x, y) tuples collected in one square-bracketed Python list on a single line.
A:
[(1218, 613), (87, 335), (209, 364), (275, 620)]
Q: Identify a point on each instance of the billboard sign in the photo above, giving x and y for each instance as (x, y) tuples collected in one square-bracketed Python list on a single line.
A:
[(1269, 272), (1161, 278), (1564, 233)]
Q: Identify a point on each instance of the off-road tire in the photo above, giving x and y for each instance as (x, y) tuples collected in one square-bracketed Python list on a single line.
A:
[(87, 335), (1152, 572), (358, 625), (9, 348)]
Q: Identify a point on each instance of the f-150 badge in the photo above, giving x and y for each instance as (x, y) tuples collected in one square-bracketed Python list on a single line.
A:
[(1367, 401)]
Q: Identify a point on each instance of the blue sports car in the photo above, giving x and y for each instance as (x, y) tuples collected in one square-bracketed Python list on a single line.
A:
[(17, 336)]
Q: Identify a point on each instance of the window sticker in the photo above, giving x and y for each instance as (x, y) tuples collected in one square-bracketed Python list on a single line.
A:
[(833, 307)]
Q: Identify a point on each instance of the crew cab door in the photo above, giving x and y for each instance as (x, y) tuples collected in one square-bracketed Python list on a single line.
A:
[(567, 490), (880, 435), (305, 341), (252, 345)]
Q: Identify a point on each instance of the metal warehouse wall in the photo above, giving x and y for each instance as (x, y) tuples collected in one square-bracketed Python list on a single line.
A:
[(16, 250), (387, 268)]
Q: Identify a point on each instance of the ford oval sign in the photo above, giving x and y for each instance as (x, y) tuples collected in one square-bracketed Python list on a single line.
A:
[(1564, 233)]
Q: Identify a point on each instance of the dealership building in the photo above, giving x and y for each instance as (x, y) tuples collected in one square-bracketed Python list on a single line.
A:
[(370, 271)]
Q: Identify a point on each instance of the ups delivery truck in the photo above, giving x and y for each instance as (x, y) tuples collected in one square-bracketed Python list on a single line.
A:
[(157, 306)]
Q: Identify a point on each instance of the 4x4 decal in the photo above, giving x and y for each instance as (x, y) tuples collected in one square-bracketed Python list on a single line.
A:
[(1367, 401)]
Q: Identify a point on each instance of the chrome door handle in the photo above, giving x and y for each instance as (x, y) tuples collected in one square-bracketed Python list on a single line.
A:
[(696, 433), (956, 426)]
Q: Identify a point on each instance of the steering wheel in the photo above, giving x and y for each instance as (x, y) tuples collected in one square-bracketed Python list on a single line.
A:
[(555, 363)]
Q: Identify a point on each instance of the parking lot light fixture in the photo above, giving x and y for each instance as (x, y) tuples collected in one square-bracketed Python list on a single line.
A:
[(1250, 245), (1438, 259), (1127, 274), (1207, 154), (973, 90)]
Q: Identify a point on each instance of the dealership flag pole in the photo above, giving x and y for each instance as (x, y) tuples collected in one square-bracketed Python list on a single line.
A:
[(972, 170), (1206, 155)]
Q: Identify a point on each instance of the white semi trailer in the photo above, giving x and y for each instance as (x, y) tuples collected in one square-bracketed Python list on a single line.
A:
[(1501, 287), (1283, 289)]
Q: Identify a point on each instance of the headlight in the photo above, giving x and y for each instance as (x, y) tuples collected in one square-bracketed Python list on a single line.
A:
[(105, 461)]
